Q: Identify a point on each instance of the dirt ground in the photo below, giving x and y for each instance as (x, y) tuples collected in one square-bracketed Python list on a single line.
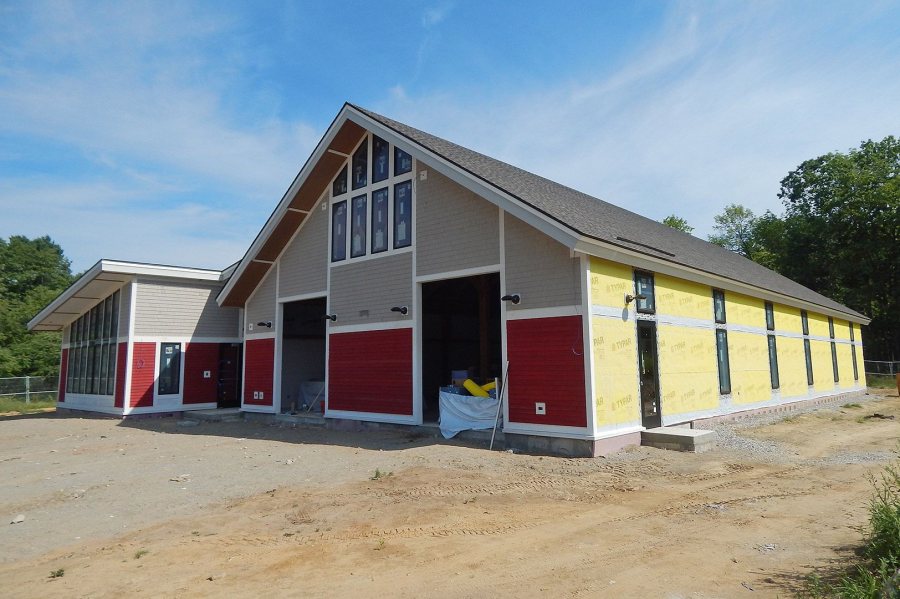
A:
[(150, 508)]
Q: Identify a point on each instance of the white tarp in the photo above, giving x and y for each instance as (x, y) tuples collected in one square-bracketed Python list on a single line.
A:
[(465, 412)]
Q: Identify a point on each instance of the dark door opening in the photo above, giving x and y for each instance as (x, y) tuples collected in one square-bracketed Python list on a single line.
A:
[(460, 332), (229, 382), (651, 414), (303, 356)]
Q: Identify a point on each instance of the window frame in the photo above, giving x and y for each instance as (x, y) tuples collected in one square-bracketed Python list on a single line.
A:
[(93, 349), (722, 352), (169, 396), (774, 377), (719, 299), (804, 321), (649, 304), (810, 373), (770, 316)]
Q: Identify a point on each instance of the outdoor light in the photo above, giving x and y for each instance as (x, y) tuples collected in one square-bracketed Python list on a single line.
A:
[(630, 298), (267, 324), (512, 297), (401, 309), (331, 317)]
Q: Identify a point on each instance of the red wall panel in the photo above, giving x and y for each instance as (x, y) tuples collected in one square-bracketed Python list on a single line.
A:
[(259, 359), (143, 377), (63, 370), (546, 364), (121, 366), (371, 371), (199, 357)]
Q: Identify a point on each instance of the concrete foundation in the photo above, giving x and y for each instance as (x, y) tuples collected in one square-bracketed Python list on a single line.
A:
[(679, 439)]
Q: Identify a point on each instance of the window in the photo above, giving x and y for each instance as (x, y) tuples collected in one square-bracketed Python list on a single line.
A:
[(853, 353), (403, 214), (643, 286), (402, 162), (169, 380), (360, 167), (770, 316), (339, 231), (773, 362), (804, 320), (92, 349), (380, 220), (358, 232), (339, 185), (809, 368), (381, 152), (719, 306), (722, 357), (831, 327), (834, 360)]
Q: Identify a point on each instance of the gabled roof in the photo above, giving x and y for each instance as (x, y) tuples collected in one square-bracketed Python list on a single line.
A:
[(101, 280), (581, 221)]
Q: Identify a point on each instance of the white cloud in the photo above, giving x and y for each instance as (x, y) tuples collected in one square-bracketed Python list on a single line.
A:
[(435, 14)]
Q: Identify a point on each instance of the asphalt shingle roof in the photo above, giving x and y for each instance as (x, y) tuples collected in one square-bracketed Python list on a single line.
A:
[(594, 218)]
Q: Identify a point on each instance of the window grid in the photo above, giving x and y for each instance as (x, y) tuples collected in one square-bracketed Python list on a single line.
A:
[(92, 350)]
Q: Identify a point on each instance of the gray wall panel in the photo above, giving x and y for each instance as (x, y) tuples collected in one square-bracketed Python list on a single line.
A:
[(304, 263), (364, 292), (124, 309), (456, 228), (182, 309), (261, 306), (539, 268)]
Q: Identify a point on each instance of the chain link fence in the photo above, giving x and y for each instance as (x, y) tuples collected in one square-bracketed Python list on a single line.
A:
[(28, 389)]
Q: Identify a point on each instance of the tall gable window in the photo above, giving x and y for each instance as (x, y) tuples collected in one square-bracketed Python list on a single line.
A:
[(853, 353), (719, 306), (804, 319), (834, 360), (644, 292), (770, 316), (377, 217), (721, 342), (92, 350)]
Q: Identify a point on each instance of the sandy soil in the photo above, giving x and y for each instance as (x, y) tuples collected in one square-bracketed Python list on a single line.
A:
[(149, 508)]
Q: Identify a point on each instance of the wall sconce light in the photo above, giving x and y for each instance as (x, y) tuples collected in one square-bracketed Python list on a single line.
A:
[(331, 317), (630, 298), (401, 309), (266, 323), (512, 297)]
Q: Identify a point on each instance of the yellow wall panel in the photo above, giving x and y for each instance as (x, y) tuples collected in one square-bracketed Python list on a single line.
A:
[(677, 297), (749, 357), (610, 283), (788, 319), (688, 373), (818, 325), (845, 365), (821, 359), (744, 310), (615, 371), (791, 365), (841, 329)]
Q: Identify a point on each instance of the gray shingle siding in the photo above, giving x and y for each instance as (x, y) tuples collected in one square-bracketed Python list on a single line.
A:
[(373, 286), (124, 309), (179, 309), (304, 263), (539, 268), (456, 228), (261, 306)]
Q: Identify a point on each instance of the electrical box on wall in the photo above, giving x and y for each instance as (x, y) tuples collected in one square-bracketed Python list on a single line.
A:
[(540, 408), (256, 395), (206, 374)]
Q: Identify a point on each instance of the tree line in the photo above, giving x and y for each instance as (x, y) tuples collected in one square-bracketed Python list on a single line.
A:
[(839, 234)]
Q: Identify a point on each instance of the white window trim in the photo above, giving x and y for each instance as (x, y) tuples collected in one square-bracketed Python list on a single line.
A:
[(169, 399)]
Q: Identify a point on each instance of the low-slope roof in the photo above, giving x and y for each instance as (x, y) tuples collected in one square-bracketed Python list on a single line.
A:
[(101, 280), (583, 222)]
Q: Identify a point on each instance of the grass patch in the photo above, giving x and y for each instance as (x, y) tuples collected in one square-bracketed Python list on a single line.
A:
[(140, 553), (852, 405), (876, 572), (881, 381), (57, 573), (379, 474), (17, 404)]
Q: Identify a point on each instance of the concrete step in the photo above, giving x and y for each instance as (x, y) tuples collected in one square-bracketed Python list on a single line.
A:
[(679, 439), (219, 415)]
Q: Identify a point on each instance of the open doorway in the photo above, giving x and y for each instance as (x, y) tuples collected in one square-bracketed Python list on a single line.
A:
[(303, 356), (460, 332)]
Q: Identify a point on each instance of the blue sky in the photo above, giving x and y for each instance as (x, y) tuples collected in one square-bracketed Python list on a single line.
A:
[(168, 131)]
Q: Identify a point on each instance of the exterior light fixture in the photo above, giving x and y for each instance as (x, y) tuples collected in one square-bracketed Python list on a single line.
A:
[(401, 309), (331, 317), (630, 298), (265, 323), (512, 297)]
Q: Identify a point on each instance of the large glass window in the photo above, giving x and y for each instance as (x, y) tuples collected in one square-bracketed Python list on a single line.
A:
[(92, 350), (381, 152), (834, 360), (402, 162), (773, 362), (360, 167), (403, 214), (719, 306), (770, 316), (380, 220), (358, 234), (339, 185), (853, 353), (643, 286), (804, 320), (809, 369), (169, 381), (722, 357), (339, 231)]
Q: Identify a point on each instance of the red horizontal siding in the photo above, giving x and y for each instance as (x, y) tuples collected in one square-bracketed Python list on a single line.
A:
[(371, 371), (199, 357), (121, 368), (546, 364), (259, 359), (143, 377), (63, 370)]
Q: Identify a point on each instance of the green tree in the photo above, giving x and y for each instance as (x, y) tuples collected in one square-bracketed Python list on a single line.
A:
[(676, 222), (734, 230), (841, 234), (32, 273)]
